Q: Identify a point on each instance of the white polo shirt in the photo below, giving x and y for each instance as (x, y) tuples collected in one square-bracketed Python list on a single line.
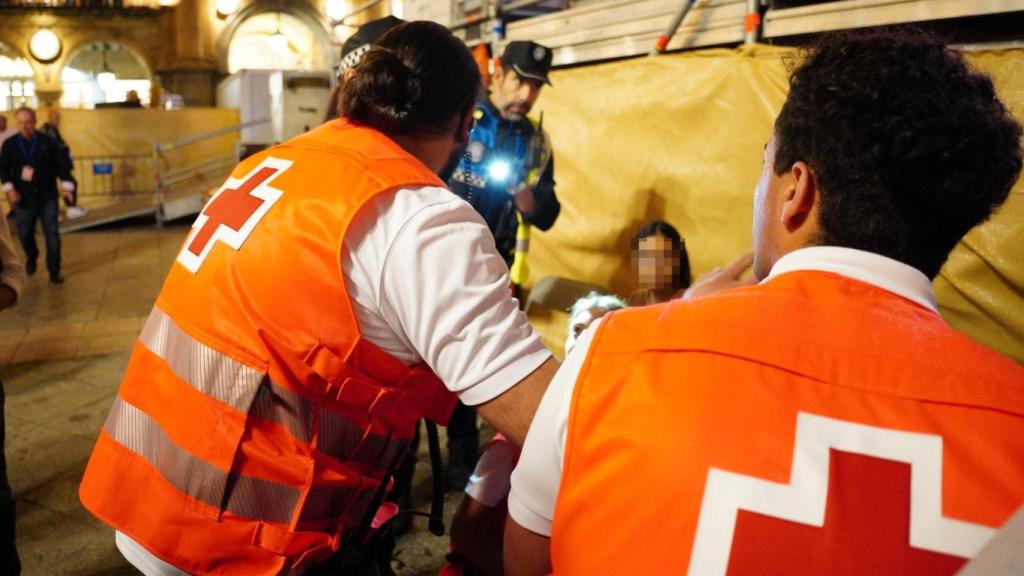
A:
[(536, 479), (427, 284)]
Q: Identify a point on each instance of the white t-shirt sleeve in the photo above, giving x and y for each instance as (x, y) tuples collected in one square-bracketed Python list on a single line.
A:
[(536, 479), (427, 284), (492, 478)]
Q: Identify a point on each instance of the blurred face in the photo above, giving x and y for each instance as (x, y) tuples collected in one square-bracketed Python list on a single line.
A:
[(26, 123), (657, 262), (513, 95), (54, 118), (767, 221)]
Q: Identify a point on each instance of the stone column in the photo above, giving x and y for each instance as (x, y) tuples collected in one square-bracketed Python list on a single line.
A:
[(192, 70)]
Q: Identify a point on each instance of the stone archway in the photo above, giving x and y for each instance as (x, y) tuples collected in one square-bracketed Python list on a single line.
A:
[(103, 72), (303, 27)]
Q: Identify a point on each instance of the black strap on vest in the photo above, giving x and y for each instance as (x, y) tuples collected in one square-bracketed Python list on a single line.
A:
[(363, 553)]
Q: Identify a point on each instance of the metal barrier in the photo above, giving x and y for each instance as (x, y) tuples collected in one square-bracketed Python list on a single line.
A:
[(113, 176), (173, 181), (184, 173)]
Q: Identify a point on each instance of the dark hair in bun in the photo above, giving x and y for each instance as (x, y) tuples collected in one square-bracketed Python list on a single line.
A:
[(418, 77)]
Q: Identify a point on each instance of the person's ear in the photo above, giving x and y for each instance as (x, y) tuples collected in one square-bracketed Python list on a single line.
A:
[(463, 128), (801, 198)]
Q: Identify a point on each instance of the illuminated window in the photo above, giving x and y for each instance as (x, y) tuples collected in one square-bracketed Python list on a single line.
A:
[(276, 41), (102, 74), (17, 87)]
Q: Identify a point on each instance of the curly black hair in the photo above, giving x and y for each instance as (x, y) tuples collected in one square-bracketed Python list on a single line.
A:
[(911, 147)]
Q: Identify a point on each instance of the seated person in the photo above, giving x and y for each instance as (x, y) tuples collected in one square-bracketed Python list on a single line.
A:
[(585, 311), (662, 265), (479, 522)]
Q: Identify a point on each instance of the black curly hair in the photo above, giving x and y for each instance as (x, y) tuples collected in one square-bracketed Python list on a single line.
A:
[(910, 146)]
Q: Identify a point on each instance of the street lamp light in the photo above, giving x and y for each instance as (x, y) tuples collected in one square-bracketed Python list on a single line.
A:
[(227, 7), (278, 40), (106, 77), (45, 46), (336, 9)]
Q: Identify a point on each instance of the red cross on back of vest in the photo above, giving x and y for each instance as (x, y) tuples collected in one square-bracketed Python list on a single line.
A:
[(866, 531), (860, 500), (234, 212)]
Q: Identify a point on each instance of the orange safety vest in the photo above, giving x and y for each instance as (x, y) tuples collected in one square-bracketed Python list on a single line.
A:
[(254, 423), (810, 425)]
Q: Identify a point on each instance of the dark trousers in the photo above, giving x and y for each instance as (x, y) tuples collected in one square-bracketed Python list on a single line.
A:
[(10, 564), (25, 215)]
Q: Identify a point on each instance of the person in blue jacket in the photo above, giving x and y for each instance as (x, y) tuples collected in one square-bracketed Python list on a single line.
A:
[(507, 173)]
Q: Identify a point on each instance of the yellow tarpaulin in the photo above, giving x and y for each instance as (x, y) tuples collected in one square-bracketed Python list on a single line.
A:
[(680, 138), (113, 148)]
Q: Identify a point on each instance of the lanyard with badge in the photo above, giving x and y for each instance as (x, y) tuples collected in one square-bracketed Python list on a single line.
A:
[(27, 171)]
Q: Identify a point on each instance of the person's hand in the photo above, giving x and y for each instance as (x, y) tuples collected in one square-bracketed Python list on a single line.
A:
[(13, 196), (523, 196), (722, 278), (68, 192)]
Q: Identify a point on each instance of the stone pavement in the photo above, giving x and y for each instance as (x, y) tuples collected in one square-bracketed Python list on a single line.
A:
[(65, 348)]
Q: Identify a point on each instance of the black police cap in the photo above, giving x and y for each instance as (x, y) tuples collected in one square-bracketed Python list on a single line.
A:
[(528, 59), (359, 43)]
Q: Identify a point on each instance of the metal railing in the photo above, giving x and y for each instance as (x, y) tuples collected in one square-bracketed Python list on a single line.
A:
[(183, 169), (115, 176)]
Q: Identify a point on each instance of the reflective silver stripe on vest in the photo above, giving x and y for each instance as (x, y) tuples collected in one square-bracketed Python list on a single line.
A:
[(207, 370), (286, 408), (338, 436), (249, 391), (244, 388), (342, 439), (242, 495), (523, 244)]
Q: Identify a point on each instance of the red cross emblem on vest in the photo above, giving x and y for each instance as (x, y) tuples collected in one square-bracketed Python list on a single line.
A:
[(749, 525), (233, 212)]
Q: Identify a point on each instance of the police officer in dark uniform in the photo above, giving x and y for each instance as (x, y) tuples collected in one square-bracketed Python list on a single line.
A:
[(507, 173)]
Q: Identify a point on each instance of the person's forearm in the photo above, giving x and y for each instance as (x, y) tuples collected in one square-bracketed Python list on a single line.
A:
[(526, 553), (546, 205), (512, 412), (483, 553)]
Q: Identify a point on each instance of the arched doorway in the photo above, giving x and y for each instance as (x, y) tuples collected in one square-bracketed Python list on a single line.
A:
[(104, 74), (277, 41), (17, 86)]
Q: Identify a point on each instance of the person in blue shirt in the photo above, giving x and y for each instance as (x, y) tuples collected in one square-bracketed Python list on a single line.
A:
[(507, 170), (30, 166), (507, 174)]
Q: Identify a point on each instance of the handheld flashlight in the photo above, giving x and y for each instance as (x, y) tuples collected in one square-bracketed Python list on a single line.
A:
[(499, 170)]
